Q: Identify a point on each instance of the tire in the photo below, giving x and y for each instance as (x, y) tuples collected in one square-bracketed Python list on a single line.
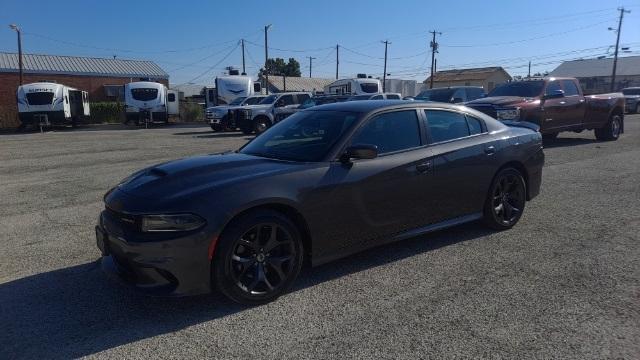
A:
[(250, 266), (505, 200), (261, 124), (611, 131), (549, 136), (215, 128), (638, 108), (247, 131)]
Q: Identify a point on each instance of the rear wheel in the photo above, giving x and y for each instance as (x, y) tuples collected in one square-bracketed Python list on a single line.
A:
[(506, 199), (611, 131), (258, 258)]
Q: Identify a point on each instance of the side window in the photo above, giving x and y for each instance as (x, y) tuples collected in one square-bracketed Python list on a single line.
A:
[(473, 94), (391, 131), (393, 97), (475, 125), (301, 98), (377, 97), (551, 87), (172, 97), (286, 100), (570, 88), (459, 96), (446, 125)]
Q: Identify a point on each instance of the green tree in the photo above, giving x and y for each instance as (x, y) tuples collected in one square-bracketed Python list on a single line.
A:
[(277, 66)]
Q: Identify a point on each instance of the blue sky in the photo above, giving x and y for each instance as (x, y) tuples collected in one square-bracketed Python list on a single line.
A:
[(194, 42)]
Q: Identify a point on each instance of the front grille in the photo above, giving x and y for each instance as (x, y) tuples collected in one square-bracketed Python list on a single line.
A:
[(486, 109)]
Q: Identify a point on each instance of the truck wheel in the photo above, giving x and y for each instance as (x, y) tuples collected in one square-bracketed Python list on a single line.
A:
[(611, 131), (216, 127), (549, 136), (261, 124)]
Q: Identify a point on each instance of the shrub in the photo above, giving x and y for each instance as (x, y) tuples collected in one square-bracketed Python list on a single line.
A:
[(106, 112)]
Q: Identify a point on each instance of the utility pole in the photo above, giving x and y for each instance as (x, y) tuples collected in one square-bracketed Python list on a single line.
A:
[(266, 58), (17, 29), (615, 56), (529, 73), (384, 75), (310, 64), (337, 59), (434, 50), (244, 72)]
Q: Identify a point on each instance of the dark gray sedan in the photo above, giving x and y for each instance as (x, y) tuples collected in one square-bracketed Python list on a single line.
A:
[(320, 185)]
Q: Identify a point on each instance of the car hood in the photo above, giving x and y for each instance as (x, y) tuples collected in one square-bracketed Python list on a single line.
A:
[(500, 101), (189, 176)]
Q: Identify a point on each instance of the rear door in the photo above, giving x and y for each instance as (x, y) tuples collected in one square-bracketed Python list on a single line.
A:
[(463, 159), (173, 106), (574, 105)]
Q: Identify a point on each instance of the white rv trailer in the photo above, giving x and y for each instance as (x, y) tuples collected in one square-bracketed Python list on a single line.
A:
[(357, 86), (228, 88), (48, 104), (149, 101)]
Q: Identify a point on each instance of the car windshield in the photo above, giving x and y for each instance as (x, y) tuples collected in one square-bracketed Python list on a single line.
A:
[(304, 136), (237, 101), (370, 88), (441, 95), (269, 99), (520, 88), (144, 94), (253, 100), (631, 91)]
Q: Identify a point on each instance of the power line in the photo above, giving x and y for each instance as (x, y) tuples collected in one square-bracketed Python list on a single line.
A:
[(214, 66), (529, 39)]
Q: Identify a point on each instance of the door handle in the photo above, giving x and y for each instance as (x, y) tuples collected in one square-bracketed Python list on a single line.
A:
[(490, 150), (424, 167)]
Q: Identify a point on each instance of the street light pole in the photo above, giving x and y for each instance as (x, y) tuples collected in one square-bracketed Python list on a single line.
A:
[(17, 29), (310, 64)]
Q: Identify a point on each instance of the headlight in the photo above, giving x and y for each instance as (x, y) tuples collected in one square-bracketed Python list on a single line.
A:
[(173, 222), (508, 114)]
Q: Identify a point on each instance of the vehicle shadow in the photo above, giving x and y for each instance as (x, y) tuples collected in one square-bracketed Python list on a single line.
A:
[(565, 142), (77, 311)]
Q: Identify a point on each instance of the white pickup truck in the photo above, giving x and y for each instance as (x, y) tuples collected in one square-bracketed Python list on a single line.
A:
[(273, 108), (222, 117)]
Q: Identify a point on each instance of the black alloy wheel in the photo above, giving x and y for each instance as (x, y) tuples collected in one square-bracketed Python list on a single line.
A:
[(260, 257), (261, 124), (506, 200)]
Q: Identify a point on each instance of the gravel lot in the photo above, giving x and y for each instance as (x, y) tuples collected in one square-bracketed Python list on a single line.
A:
[(564, 283)]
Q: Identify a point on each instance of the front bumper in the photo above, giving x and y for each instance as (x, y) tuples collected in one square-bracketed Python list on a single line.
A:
[(177, 266)]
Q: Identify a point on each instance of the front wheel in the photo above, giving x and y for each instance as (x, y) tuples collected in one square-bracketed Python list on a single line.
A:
[(506, 199), (261, 124), (258, 258), (611, 131), (549, 136)]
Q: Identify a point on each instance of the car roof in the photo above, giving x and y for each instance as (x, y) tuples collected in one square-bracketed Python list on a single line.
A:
[(366, 106)]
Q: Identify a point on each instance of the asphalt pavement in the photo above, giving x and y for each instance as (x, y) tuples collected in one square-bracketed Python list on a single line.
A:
[(563, 283)]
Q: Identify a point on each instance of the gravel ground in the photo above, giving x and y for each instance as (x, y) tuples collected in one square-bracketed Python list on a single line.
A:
[(564, 283)]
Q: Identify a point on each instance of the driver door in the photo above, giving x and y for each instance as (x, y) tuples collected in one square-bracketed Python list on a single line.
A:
[(284, 107)]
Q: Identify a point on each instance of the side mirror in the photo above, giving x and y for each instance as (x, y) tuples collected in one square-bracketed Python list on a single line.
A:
[(359, 151), (456, 100), (555, 94), (280, 103)]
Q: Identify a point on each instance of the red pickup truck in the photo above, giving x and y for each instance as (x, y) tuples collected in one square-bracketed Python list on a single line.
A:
[(555, 105)]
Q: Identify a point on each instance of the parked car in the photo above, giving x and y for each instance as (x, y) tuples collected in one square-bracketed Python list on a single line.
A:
[(321, 100), (381, 96), (453, 94), (555, 105), (322, 184), (632, 99), (223, 117), (273, 108)]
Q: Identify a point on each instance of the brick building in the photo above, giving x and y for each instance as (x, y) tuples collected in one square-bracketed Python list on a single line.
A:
[(102, 78)]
